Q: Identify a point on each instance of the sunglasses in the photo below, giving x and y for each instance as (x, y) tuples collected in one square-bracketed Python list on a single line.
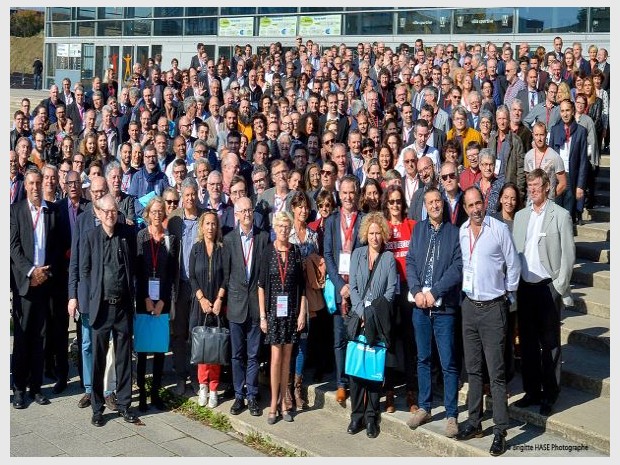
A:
[(412, 160), (395, 201), (172, 202), (445, 177), (326, 172), (367, 151)]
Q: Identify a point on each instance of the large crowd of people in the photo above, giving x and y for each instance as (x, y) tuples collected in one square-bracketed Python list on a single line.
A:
[(434, 189)]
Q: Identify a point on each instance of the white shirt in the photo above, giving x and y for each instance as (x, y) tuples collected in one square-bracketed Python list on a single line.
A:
[(247, 244), (532, 269), (38, 225)]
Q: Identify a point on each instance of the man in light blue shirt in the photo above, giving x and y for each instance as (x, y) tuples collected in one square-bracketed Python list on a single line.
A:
[(491, 270)]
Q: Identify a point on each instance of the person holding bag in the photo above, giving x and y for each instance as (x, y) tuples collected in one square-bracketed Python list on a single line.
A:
[(206, 274), (373, 281), (157, 252), (282, 304)]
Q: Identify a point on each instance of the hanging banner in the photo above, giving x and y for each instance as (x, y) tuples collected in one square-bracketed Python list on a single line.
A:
[(329, 25), (277, 26), (236, 26)]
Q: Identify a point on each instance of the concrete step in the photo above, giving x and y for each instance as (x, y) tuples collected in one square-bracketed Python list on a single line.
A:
[(602, 196), (585, 370), (577, 415), (602, 183), (591, 273), (591, 300), (599, 214), (587, 331), (604, 163), (594, 250), (594, 231)]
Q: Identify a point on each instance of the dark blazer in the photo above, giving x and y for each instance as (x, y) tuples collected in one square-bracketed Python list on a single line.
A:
[(524, 96), (65, 229), (332, 245), (343, 128), (91, 265), (73, 112), (578, 156), (447, 264), (543, 77), (242, 301), (18, 192), (22, 252), (606, 74), (417, 203), (437, 139)]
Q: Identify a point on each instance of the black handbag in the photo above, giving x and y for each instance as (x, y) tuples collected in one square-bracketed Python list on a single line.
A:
[(211, 344)]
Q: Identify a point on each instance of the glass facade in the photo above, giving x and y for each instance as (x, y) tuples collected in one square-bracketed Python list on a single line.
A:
[(555, 20)]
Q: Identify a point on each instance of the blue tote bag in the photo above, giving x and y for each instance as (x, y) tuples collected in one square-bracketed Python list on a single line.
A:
[(365, 361), (329, 292), (151, 333)]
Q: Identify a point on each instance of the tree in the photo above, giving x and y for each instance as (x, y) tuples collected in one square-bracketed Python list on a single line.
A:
[(26, 23)]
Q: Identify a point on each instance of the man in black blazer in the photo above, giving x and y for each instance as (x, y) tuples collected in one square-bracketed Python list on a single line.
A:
[(57, 339), (341, 238), (34, 267), (107, 258), (243, 255), (17, 191), (332, 114)]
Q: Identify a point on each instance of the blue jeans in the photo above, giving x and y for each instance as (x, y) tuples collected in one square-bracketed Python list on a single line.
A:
[(442, 325), (340, 349), (87, 354)]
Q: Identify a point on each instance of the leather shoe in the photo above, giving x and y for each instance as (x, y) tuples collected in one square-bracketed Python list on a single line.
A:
[(526, 401), (372, 431), (341, 396), (97, 419), (499, 444), (59, 387), (545, 408), (469, 432), (354, 427), (237, 407), (41, 399), (18, 400), (255, 410), (128, 416), (84, 401)]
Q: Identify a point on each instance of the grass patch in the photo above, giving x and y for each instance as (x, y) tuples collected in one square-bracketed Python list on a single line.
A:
[(267, 446)]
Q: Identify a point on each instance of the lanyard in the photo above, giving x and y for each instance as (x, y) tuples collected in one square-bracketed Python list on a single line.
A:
[(454, 213), (348, 232), (13, 190), (246, 258), (36, 219), (281, 270), (472, 246), (154, 254)]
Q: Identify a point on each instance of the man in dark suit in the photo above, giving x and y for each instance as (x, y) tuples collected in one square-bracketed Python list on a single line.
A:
[(195, 63), (570, 140), (332, 114), (542, 76), (34, 265), (76, 111), (530, 96), (17, 179), (107, 257), (341, 238), (57, 339), (243, 254)]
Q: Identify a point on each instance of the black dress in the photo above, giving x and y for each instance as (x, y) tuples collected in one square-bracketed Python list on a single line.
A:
[(282, 330)]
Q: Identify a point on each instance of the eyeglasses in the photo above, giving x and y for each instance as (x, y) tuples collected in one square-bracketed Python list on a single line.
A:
[(410, 161), (171, 202), (445, 177), (326, 172), (108, 212), (367, 151), (72, 183), (395, 201), (246, 211), (328, 141)]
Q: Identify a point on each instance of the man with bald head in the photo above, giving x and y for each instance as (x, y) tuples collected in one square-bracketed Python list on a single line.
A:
[(428, 178)]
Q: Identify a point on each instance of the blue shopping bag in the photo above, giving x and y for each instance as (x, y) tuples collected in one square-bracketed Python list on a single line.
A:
[(329, 293), (365, 361), (151, 333)]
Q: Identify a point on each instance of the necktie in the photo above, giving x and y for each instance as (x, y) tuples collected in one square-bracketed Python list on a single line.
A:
[(532, 95), (475, 118), (567, 133)]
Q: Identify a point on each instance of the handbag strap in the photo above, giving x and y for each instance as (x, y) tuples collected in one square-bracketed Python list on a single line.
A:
[(372, 272), (219, 320)]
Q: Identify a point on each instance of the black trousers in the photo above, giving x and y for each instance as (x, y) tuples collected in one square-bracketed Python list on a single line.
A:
[(28, 340), (364, 399), (158, 369), (57, 337), (115, 320), (539, 307)]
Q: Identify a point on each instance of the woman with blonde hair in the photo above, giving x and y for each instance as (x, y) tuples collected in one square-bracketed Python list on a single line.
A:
[(282, 304)]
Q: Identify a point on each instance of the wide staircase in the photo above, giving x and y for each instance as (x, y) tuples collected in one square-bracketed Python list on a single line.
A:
[(580, 422)]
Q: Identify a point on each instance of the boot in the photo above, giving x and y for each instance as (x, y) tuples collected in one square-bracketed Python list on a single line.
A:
[(142, 399), (300, 402), (412, 402), (288, 399), (389, 402), (156, 400)]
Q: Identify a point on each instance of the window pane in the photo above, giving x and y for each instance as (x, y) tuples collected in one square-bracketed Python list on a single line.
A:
[(60, 29), (110, 13), (137, 28), (273, 11), (86, 13), (138, 13), (203, 11), (553, 20), (109, 28), (368, 23), (600, 19), (201, 26), (483, 21), (60, 14), (168, 12), (168, 27), (237, 11), (319, 9), (86, 28), (424, 22)]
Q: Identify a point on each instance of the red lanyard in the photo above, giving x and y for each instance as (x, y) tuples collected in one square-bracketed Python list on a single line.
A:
[(246, 258), (453, 214), (36, 219), (348, 232), (281, 270), (472, 246), (154, 254)]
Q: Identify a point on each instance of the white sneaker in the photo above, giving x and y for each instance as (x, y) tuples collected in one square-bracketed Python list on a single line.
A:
[(202, 395), (213, 399)]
